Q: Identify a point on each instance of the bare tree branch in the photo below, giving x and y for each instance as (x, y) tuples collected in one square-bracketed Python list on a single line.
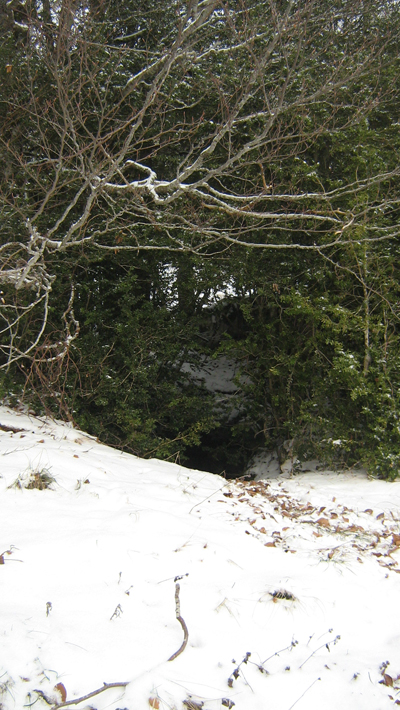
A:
[(182, 140)]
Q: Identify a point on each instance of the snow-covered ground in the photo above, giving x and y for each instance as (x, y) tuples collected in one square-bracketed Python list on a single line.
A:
[(289, 588)]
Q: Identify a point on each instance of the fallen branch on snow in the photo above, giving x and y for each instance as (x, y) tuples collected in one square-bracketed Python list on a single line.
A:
[(76, 701), (182, 623), (107, 686)]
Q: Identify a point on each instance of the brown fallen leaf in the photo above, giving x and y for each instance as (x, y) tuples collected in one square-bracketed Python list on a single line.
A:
[(355, 528), (324, 522), (269, 544), (369, 511), (154, 703), (60, 687), (387, 680), (380, 516)]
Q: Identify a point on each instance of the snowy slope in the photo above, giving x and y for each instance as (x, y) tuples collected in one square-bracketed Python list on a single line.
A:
[(302, 574)]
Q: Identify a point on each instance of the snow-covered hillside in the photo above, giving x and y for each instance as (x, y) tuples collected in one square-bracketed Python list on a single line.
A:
[(289, 588)]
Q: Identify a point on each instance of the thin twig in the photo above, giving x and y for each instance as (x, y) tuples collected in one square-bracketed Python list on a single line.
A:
[(303, 694), (208, 498), (182, 623), (334, 642)]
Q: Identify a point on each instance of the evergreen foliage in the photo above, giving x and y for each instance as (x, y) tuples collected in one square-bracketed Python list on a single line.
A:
[(174, 193)]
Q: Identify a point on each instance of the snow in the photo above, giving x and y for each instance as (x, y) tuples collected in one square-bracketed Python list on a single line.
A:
[(300, 572)]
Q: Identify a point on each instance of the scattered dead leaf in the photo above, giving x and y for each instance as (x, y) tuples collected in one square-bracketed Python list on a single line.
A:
[(154, 703), (380, 516), (355, 528), (60, 687), (387, 680), (369, 511), (324, 522)]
